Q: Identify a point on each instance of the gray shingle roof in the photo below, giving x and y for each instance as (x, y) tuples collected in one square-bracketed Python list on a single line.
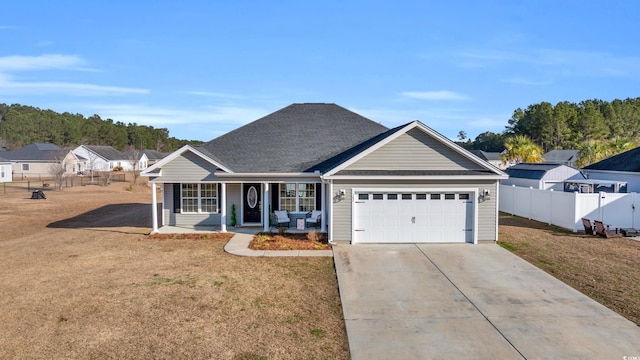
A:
[(36, 152), (626, 161), (107, 152), (561, 156), (530, 170), (293, 139), (154, 155), (487, 155)]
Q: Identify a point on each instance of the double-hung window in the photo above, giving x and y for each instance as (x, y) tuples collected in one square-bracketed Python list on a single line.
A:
[(199, 198), (297, 197)]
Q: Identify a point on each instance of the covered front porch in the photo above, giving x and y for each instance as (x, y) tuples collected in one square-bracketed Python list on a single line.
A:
[(240, 206)]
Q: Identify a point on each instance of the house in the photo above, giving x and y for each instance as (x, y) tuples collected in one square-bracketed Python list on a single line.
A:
[(370, 183), (5, 170), (153, 157), (36, 160), (541, 176), (564, 157), (624, 167), (106, 158), (492, 157)]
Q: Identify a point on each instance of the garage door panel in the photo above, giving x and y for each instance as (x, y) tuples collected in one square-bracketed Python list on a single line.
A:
[(389, 217)]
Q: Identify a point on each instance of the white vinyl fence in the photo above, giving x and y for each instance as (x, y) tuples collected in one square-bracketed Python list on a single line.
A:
[(566, 209)]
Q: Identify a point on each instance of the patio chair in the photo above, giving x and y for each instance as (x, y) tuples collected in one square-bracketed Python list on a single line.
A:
[(603, 231), (281, 218), (314, 217), (588, 228)]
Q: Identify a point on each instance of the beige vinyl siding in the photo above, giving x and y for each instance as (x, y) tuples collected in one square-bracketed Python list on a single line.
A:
[(487, 220), (187, 167), (414, 150)]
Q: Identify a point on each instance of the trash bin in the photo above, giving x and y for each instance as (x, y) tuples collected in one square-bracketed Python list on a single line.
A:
[(38, 194)]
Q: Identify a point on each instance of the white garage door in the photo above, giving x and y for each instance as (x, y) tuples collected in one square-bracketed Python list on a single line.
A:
[(413, 217)]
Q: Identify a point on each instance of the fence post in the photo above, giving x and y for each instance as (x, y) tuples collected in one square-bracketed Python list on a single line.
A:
[(550, 206), (513, 200)]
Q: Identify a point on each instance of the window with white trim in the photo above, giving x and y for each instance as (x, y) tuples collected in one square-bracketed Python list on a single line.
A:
[(1, 171), (298, 197), (199, 198), (25, 167)]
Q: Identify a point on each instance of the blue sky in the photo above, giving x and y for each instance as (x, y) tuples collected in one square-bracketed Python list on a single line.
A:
[(202, 68)]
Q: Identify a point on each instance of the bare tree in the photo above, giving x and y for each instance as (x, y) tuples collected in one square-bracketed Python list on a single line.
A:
[(93, 157), (58, 172), (133, 155)]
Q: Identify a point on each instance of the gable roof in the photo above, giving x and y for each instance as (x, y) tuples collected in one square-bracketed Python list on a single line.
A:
[(154, 155), (36, 152), (293, 139), (561, 156), (535, 171), (487, 155), (627, 161), (106, 152), (337, 165)]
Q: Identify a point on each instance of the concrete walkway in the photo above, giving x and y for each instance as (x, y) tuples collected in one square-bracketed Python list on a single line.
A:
[(239, 245), (469, 301)]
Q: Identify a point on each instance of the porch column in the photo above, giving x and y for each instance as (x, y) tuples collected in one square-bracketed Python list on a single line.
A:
[(330, 231), (323, 206), (223, 207), (154, 209), (265, 207)]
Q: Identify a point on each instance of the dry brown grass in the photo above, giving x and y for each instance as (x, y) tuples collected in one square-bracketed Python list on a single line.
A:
[(606, 270), (271, 241), (80, 279)]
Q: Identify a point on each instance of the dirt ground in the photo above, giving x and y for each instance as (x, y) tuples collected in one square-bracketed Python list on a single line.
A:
[(80, 279), (607, 270)]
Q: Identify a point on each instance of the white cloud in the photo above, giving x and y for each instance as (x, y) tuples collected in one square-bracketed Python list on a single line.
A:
[(8, 86), (215, 94), (434, 95), (42, 62)]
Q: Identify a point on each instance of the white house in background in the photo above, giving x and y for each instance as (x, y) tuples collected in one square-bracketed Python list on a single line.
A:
[(624, 167), (106, 158), (5, 170), (541, 176), (564, 157)]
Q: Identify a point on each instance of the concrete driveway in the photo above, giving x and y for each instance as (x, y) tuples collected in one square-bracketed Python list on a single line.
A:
[(469, 301)]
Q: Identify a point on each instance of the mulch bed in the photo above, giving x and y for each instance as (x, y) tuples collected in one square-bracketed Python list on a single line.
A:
[(274, 241)]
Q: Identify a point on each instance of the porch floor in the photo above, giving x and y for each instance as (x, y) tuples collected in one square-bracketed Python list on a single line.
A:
[(252, 230)]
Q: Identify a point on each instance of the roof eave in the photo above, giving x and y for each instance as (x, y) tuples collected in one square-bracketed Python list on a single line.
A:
[(416, 177)]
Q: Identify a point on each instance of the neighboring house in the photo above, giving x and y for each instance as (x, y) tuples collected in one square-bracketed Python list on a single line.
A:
[(105, 158), (492, 157), (564, 157), (541, 176), (624, 167), (5, 170), (36, 160), (153, 157), (139, 158), (371, 184)]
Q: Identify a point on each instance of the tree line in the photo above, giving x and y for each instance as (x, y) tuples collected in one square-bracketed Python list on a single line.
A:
[(21, 125), (597, 128)]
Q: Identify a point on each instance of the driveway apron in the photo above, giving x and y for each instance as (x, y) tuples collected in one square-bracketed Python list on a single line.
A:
[(442, 301)]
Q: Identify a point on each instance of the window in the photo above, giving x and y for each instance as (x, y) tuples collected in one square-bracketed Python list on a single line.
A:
[(435, 196), (406, 196), (363, 196), (1, 171), (463, 196), (199, 198), (25, 167), (392, 196), (449, 196), (377, 196), (421, 196), (298, 197)]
